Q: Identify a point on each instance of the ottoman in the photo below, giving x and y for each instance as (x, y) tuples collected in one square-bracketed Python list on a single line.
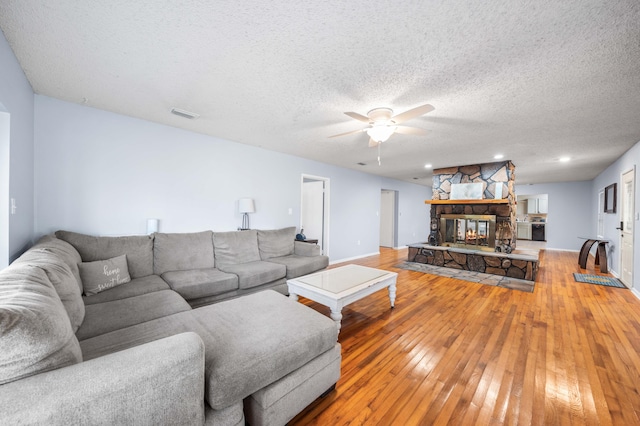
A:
[(263, 352), (282, 353)]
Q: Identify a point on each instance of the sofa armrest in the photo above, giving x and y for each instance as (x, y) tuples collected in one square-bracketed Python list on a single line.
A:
[(161, 382), (305, 249)]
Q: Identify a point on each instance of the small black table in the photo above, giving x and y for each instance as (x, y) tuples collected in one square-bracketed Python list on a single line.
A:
[(312, 241), (601, 253)]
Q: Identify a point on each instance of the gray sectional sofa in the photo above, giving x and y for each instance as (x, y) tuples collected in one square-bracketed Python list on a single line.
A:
[(162, 329)]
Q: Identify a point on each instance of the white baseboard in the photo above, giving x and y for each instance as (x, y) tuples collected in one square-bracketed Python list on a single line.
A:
[(333, 262), (635, 292)]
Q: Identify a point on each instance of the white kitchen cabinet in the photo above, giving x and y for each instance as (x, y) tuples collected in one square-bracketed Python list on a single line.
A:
[(543, 205), (537, 205), (524, 231)]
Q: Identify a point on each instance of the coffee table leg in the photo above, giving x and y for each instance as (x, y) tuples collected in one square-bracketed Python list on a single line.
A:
[(392, 295), (336, 315), (293, 296)]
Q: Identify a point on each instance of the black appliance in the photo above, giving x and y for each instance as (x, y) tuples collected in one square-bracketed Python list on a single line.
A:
[(537, 232)]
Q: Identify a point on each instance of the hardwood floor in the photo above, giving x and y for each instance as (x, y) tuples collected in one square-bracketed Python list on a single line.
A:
[(461, 353)]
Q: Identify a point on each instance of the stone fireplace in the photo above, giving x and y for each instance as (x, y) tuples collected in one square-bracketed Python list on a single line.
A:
[(473, 222), (497, 198)]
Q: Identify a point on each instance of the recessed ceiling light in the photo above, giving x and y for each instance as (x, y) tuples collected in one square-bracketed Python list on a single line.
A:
[(498, 156), (186, 114), (565, 159), (428, 166)]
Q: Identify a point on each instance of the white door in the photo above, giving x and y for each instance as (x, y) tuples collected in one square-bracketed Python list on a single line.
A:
[(626, 219), (387, 218), (314, 212)]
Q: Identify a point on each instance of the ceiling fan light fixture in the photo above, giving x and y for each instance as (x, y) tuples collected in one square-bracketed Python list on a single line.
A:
[(381, 133)]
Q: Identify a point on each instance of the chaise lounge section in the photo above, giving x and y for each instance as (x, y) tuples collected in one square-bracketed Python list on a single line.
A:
[(139, 352)]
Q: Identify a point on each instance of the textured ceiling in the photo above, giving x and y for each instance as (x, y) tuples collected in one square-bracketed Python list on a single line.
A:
[(533, 80)]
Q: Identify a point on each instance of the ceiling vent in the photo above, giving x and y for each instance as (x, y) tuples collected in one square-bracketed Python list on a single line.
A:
[(185, 114)]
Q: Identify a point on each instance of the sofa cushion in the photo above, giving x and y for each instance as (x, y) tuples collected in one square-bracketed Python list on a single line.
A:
[(232, 248), (198, 283), (253, 274), (180, 252), (136, 287), (301, 265), (250, 341), (276, 243), (101, 275), (104, 317), (61, 276), (64, 251), (138, 248), (35, 331)]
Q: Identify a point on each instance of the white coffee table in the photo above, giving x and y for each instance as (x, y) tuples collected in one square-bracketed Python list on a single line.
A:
[(341, 286)]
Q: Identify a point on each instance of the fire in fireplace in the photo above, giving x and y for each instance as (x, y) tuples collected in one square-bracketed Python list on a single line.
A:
[(475, 232)]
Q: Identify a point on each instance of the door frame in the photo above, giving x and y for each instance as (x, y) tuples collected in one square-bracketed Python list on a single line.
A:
[(633, 213), (600, 214), (394, 216), (5, 176), (326, 210)]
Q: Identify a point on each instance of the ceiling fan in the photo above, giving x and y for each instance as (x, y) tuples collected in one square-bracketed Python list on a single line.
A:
[(382, 123)]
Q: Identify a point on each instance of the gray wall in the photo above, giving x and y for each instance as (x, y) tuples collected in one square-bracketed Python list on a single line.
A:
[(611, 175), (571, 212), (16, 162), (102, 173)]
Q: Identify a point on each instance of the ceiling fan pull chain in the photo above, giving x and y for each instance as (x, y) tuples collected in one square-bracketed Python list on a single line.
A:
[(379, 163)]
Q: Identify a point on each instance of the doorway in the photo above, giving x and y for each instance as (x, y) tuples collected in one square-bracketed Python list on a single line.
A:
[(626, 223), (314, 210), (4, 187), (388, 218)]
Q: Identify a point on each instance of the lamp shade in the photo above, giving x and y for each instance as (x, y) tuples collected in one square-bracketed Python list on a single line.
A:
[(246, 205)]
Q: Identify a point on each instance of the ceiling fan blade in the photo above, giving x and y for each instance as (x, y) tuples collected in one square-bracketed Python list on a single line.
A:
[(405, 130), (358, 117), (373, 144), (348, 133), (412, 113)]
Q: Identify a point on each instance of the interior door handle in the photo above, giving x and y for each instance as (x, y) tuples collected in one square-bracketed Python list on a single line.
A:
[(621, 226)]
